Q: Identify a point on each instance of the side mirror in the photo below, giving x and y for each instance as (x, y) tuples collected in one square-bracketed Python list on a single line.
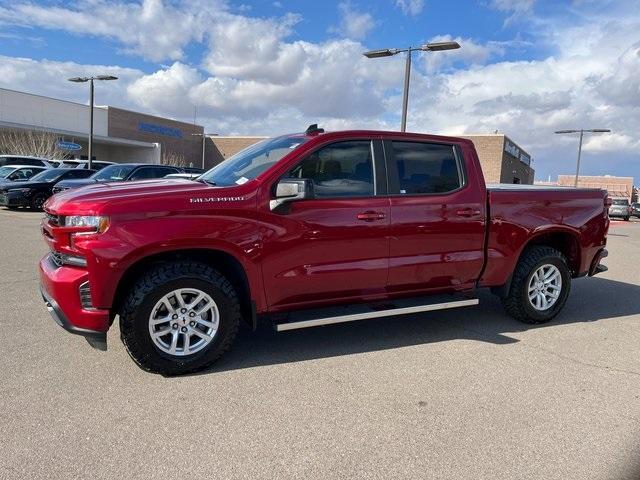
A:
[(290, 190)]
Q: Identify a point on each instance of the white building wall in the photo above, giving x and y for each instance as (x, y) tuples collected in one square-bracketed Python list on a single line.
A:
[(44, 112)]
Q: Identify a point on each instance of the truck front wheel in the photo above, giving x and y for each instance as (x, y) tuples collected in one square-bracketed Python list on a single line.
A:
[(179, 317), (539, 287)]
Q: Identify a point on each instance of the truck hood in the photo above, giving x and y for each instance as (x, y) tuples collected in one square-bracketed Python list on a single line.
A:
[(126, 197)]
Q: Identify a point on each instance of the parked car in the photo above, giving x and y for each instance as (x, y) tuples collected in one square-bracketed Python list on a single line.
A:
[(635, 210), (25, 160), (95, 165), (620, 208), (17, 173), (119, 172), (197, 170), (287, 229), (34, 192)]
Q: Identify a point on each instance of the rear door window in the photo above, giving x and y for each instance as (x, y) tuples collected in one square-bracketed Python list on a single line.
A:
[(425, 168)]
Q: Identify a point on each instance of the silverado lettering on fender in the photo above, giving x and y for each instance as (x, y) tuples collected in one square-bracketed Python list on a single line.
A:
[(317, 228)]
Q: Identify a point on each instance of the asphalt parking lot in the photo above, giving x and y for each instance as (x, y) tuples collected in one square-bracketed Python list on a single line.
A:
[(457, 394)]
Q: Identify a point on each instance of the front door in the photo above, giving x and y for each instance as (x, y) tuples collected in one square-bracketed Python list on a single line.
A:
[(334, 246), (437, 218)]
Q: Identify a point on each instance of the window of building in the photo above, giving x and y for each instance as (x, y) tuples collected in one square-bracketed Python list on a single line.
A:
[(343, 169), (426, 168)]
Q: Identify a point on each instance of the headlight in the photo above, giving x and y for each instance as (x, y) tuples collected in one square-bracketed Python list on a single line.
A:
[(89, 222)]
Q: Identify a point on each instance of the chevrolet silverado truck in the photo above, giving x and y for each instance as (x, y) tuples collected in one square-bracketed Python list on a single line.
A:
[(310, 229)]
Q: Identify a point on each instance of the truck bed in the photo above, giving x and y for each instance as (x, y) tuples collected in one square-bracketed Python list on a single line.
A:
[(568, 217)]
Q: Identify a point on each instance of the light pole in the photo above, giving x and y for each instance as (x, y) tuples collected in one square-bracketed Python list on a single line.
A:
[(90, 80), (582, 132), (389, 52)]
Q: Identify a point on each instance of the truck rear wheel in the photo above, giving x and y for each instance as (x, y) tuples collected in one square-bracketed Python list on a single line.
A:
[(179, 317), (539, 287)]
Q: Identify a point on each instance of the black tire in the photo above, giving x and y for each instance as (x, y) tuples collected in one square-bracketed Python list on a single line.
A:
[(38, 201), (626, 219), (150, 288), (517, 303)]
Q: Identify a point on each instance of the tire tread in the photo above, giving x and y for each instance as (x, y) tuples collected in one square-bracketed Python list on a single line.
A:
[(150, 281), (530, 258)]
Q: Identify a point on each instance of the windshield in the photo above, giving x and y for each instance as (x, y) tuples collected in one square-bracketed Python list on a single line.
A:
[(252, 161), (48, 175), (621, 202), (113, 173), (4, 171)]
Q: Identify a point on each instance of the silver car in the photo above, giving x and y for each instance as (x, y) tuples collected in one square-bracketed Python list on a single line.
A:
[(620, 208)]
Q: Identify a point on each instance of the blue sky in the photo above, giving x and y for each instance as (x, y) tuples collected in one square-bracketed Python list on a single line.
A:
[(526, 67)]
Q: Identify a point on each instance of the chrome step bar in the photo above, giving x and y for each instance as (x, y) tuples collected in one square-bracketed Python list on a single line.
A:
[(281, 327)]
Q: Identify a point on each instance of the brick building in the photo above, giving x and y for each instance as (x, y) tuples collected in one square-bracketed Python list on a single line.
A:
[(220, 147), (502, 160), (619, 187)]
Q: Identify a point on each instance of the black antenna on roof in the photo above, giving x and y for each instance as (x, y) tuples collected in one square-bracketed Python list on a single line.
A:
[(314, 130)]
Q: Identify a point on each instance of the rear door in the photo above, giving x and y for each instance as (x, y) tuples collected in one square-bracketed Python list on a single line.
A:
[(437, 218), (335, 245)]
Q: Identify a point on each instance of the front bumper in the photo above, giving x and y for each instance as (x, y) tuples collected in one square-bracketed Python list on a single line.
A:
[(13, 199), (60, 288)]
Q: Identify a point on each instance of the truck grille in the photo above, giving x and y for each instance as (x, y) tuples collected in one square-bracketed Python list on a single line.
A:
[(85, 296), (56, 257)]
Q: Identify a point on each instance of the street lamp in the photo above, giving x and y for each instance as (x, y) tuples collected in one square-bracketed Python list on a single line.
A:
[(582, 132), (84, 80), (389, 52), (204, 139)]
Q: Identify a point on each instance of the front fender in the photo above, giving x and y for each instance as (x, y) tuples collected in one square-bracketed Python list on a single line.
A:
[(125, 244)]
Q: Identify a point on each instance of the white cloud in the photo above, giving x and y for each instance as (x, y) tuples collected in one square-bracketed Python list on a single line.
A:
[(516, 6), (47, 77), (354, 24), (166, 90), (410, 7), (153, 29)]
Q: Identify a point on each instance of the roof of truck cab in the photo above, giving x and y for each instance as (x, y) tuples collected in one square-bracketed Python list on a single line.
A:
[(381, 133)]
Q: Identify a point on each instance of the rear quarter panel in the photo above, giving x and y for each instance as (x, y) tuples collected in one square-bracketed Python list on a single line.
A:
[(519, 216)]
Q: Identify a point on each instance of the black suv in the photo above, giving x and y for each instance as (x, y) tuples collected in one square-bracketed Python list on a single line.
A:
[(35, 191), (121, 172)]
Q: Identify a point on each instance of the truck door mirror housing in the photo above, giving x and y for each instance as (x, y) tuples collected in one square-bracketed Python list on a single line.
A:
[(290, 190)]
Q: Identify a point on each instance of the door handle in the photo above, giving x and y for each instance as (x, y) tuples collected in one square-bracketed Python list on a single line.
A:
[(370, 216), (468, 212)]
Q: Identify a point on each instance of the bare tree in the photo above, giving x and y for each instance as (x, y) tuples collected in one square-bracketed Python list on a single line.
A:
[(35, 143), (173, 158)]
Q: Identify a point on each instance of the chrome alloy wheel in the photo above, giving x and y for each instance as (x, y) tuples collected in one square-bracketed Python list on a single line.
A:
[(184, 322), (545, 286)]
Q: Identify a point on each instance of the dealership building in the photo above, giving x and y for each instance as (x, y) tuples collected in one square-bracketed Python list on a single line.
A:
[(502, 160), (119, 135)]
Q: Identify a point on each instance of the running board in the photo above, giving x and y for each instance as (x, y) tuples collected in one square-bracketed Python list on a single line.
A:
[(352, 313)]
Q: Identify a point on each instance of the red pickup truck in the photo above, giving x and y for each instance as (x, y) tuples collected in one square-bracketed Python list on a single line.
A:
[(310, 229)]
